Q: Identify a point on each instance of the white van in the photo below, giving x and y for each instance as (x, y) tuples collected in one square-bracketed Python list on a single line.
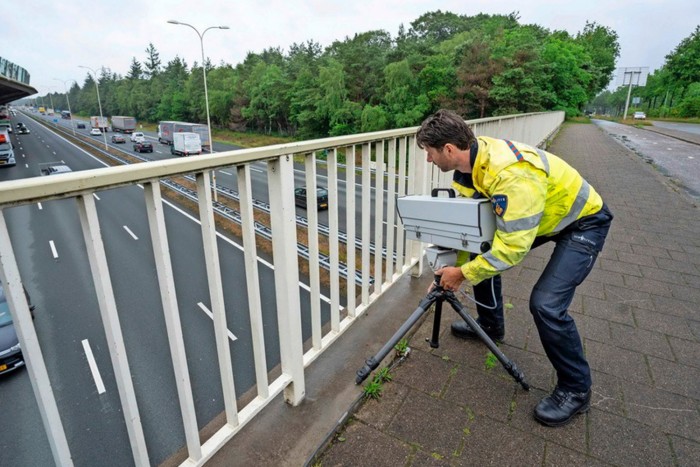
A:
[(7, 153), (185, 144)]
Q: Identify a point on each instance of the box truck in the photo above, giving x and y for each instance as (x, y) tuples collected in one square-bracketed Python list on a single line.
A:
[(123, 124), (166, 130), (100, 123), (186, 143)]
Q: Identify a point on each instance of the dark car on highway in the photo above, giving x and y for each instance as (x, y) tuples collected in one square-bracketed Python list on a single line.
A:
[(11, 356), (80, 126), (118, 139), (321, 197), (143, 146)]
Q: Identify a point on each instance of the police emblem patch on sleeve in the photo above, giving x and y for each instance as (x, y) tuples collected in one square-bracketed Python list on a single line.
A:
[(500, 204)]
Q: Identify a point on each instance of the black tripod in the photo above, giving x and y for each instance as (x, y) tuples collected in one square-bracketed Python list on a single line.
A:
[(437, 296)]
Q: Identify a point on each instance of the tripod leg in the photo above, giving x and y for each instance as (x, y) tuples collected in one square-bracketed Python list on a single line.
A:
[(435, 337), (373, 362), (508, 364)]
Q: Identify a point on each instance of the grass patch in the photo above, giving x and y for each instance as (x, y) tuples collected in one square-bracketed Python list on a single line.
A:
[(581, 119)]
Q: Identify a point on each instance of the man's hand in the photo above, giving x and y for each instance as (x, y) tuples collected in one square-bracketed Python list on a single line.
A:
[(450, 277)]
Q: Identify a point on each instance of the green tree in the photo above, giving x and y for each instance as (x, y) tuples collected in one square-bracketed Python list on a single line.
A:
[(152, 62), (135, 70), (684, 62), (601, 44), (268, 106), (568, 81), (363, 59), (405, 105)]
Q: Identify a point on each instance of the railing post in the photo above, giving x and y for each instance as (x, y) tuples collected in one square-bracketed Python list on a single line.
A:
[(112, 328), (280, 176)]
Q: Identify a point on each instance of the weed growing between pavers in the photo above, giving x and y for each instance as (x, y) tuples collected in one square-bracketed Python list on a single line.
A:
[(491, 361)]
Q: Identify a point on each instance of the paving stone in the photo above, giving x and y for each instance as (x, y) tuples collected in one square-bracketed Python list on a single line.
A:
[(694, 327), (617, 361), (428, 373), (378, 413), (680, 265), (592, 328), (686, 292), (436, 426), (648, 250), (606, 277), (614, 265), (687, 352), (661, 276), (654, 286), (366, 446), (675, 307), (607, 392), (622, 441), (662, 323), (421, 458), (687, 452), (675, 378), (669, 412), (611, 310), (557, 456), (482, 391), (625, 296), (641, 340), (492, 443), (633, 258)]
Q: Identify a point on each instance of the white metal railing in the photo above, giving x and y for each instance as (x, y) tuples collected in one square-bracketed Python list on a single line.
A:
[(400, 169)]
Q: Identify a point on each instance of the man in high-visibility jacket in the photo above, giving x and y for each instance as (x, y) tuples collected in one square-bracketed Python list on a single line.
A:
[(537, 198)]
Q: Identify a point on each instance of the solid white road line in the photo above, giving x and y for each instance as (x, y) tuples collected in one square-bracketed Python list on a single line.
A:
[(40, 207), (211, 315), (53, 249), (96, 197), (130, 233), (93, 367), (224, 172)]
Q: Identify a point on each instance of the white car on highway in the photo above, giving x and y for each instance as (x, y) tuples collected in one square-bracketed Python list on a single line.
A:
[(138, 137)]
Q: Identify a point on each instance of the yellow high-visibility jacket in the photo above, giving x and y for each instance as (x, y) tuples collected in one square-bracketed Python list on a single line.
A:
[(533, 193)]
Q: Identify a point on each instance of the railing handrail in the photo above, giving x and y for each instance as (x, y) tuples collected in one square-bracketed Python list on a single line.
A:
[(29, 190)]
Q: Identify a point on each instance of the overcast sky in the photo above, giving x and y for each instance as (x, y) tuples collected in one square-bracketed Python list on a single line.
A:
[(51, 38)]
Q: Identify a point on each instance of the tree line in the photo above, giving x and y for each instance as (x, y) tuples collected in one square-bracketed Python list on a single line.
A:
[(482, 65), (671, 91)]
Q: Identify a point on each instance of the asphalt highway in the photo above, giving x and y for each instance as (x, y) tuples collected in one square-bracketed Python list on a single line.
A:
[(53, 263)]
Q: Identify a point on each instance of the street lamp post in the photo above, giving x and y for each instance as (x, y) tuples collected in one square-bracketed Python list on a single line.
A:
[(99, 103), (68, 101), (206, 93)]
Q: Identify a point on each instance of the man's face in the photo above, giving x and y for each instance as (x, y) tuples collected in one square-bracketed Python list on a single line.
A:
[(442, 157)]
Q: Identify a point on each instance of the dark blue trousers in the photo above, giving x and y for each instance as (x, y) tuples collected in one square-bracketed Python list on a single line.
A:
[(574, 255)]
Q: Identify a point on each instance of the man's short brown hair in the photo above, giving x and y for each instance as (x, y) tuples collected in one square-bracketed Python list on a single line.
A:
[(443, 127)]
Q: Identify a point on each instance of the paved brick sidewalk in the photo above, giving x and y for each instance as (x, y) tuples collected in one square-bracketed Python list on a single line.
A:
[(637, 313)]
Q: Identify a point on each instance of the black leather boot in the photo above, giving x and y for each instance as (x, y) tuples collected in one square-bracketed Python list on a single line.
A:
[(559, 408), (462, 330)]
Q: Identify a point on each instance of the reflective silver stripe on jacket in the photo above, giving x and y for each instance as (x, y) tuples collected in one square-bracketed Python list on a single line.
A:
[(545, 161), (526, 223), (576, 208), (497, 264)]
